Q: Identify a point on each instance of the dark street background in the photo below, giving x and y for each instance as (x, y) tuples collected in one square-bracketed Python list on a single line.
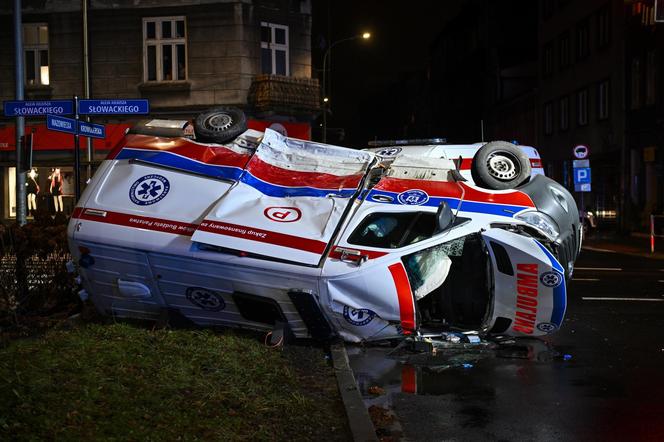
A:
[(598, 378)]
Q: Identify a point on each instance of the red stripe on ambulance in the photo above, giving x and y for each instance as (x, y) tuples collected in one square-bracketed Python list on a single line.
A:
[(139, 222), (265, 236), (405, 295), (526, 298)]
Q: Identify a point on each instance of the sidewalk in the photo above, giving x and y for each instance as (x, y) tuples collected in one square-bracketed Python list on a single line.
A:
[(636, 244)]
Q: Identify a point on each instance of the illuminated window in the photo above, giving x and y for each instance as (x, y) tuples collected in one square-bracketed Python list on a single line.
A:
[(164, 49), (35, 46), (274, 49), (603, 95)]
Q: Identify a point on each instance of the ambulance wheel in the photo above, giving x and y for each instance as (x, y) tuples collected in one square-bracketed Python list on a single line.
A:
[(500, 165), (220, 125)]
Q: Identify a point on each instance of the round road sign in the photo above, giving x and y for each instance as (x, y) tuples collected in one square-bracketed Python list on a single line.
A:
[(581, 152)]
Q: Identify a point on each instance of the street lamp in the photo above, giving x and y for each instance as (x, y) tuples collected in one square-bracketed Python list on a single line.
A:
[(326, 99)]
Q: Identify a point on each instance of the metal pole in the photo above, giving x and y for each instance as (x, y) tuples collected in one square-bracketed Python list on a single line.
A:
[(327, 51), (86, 81), (77, 153), (20, 121), (652, 233)]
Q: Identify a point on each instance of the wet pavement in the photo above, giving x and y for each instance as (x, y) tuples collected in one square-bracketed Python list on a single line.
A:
[(601, 377)]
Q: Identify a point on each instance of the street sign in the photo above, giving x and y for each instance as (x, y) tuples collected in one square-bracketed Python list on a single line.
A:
[(24, 108), (582, 175), (581, 152), (61, 124), (91, 130), (580, 163), (582, 187), (113, 107)]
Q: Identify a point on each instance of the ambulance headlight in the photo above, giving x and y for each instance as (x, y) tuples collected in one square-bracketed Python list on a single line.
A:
[(542, 222)]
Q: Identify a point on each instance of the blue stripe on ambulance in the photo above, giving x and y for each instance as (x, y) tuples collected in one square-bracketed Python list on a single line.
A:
[(466, 206), (286, 191), (560, 292), (178, 162)]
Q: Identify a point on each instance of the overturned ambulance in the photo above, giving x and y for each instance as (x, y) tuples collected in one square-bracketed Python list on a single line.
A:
[(264, 230)]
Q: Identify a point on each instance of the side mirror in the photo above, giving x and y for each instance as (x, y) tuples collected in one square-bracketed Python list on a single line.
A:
[(444, 216)]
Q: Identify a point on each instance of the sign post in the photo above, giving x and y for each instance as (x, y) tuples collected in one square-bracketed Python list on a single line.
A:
[(582, 171)]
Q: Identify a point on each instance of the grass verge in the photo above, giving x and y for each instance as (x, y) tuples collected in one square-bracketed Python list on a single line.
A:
[(122, 382)]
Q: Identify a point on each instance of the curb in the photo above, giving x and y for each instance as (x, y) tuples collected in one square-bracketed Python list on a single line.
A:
[(359, 421)]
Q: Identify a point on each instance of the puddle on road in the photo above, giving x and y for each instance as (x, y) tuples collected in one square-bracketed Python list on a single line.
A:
[(402, 370)]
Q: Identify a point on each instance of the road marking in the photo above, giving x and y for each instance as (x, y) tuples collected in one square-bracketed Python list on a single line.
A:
[(622, 299), (607, 269), (585, 279)]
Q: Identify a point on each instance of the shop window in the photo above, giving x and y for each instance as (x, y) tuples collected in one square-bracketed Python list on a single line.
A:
[(582, 107), (564, 113), (164, 48), (49, 189), (274, 49), (603, 94), (35, 47), (548, 118), (564, 48)]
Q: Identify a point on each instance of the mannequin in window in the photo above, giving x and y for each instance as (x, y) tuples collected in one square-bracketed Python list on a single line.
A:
[(56, 189), (32, 189)]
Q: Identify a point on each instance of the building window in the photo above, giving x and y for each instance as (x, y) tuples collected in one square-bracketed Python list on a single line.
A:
[(564, 113), (547, 60), (582, 107), (35, 45), (635, 84), (274, 49), (603, 26), (582, 39), (548, 118), (564, 46), (164, 48), (603, 94), (651, 77)]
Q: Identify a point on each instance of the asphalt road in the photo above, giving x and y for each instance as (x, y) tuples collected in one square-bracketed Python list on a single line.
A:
[(601, 377)]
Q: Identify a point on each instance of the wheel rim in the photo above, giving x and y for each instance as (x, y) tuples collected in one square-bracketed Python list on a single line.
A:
[(503, 166), (218, 122)]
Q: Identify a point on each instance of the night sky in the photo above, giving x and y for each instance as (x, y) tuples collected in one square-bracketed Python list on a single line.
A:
[(366, 75)]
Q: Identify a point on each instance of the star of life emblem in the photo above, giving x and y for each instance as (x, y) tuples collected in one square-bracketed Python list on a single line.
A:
[(149, 189)]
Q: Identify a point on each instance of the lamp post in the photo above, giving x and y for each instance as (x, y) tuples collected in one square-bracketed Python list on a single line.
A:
[(364, 36)]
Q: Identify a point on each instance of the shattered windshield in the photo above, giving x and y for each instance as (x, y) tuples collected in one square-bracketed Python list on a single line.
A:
[(394, 230)]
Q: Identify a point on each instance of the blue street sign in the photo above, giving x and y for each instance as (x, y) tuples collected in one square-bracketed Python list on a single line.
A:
[(38, 108), (582, 187), (113, 107), (61, 124), (582, 175), (91, 130)]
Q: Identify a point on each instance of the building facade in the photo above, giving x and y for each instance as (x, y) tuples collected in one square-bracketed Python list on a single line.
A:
[(581, 89), (183, 56)]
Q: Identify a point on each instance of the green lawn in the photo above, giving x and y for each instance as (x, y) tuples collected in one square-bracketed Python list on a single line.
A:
[(122, 382)]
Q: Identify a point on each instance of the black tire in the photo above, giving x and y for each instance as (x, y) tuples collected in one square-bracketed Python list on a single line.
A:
[(500, 165), (220, 125)]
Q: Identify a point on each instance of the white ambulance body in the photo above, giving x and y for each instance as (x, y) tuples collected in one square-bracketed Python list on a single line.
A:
[(269, 230)]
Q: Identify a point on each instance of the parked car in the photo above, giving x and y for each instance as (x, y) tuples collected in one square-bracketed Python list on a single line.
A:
[(256, 230)]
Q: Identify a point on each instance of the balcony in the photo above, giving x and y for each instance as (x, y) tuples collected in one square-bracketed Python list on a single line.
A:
[(276, 94)]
